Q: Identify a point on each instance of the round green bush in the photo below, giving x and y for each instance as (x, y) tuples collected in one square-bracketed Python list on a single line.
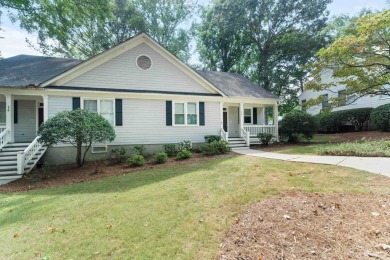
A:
[(161, 158), (215, 147), (183, 154), (296, 125), (136, 160), (380, 116)]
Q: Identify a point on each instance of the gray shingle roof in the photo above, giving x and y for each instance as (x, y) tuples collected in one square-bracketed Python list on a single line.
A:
[(28, 70), (235, 85)]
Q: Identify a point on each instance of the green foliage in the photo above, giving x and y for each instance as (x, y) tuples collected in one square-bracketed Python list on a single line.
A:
[(329, 122), (359, 60), (82, 29), (334, 122), (187, 145), (161, 158), (77, 127), (212, 138), (215, 147), (296, 125), (380, 116), (140, 150), (264, 41), (119, 155), (183, 154), (170, 149), (265, 138), (136, 160), (363, 149)]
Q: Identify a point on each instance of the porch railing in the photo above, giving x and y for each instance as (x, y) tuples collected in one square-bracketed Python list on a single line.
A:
[(256, 129), (246, 136), (25, 157), (4, 132), (224, 135)]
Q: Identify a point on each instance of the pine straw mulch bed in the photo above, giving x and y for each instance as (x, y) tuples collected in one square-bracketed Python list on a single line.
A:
[(54, 176), (311, 226)]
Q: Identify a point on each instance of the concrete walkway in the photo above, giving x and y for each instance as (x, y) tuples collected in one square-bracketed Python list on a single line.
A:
[(378, 165)]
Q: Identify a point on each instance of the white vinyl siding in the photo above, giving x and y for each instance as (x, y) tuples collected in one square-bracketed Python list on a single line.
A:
[(122, 72), (59, 104)]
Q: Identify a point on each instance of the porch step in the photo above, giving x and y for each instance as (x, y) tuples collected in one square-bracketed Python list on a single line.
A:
[(236, 142), (17, 144), (13, 148), (7, 179)]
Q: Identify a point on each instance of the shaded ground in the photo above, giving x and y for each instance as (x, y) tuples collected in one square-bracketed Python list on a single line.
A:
[(306, 148), (55, 176), (312, 226)]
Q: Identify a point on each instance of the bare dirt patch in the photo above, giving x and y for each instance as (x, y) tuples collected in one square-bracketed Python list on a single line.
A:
[(47, 177), (312, 226)]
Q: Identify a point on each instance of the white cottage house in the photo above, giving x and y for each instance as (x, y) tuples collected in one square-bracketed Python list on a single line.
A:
[(347, 101), (148, 95)]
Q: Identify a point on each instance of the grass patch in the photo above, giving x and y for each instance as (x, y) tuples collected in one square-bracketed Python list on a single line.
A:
[(170, 213), (363, 149)]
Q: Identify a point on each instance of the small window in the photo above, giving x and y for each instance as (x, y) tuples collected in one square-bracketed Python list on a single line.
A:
[(99, 148), (342, 98), (247, 116), (325, 101), (303, 102), (186, 113), (144, 62)]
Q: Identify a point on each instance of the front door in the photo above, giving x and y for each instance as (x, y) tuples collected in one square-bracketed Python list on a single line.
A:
[(233, 125), (25, 120), (225, 121)]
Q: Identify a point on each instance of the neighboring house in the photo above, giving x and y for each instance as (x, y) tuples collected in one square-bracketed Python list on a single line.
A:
[(148, 95), (347, 101)]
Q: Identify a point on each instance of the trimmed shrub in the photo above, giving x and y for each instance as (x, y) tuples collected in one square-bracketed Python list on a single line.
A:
[(265, 138), (380, 116), (161, 158), (136, 160), (185, 145), (296, 125), (212, 138), (140, 150), (119, 155), (330, 122), (183, 154), (170, 149), (215, 147)]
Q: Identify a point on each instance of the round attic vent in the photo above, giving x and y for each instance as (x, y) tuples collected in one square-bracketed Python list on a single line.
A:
[(144, 62)]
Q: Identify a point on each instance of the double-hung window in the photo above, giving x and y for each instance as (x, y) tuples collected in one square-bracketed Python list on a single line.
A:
[(325, 101), (186, 113), (247, 116), (342, 98), (104, 107)]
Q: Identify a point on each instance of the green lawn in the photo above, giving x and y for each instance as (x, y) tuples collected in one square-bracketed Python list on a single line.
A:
[(171, 213)]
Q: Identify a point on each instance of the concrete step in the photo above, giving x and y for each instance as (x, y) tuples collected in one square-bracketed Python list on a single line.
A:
[(17, 144), (237, 145), (7, 158), (13, 149), (237, 142), (10, 162)]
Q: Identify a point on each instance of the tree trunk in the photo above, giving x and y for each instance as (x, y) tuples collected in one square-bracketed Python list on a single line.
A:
[(78, 156)]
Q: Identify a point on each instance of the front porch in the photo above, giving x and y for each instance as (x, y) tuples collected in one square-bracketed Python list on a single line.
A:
[(20, 147), (244, 121)]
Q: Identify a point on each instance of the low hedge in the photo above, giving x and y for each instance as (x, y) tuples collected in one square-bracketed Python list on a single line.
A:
[(381, 117), (337, 121)]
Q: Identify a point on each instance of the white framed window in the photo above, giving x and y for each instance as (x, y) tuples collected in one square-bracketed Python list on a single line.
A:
[(185, 113), (247, 116), (104, 107)]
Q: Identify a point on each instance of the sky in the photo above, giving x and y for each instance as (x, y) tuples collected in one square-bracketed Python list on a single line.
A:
[(14, 41)]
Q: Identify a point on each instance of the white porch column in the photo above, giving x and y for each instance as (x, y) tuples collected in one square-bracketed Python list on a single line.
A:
[(241, 111), (276, 121), (221, 110), (8, 117), (45, 107)]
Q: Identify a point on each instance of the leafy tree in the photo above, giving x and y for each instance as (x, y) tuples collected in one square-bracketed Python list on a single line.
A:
[(279, 37), (359, 60), (78, 128), (82, 29)]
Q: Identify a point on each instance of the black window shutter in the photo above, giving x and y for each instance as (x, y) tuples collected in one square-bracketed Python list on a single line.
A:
[(168, 113), (255, 115), (118, 112), (76, 103), (15, 111), (201, 113)]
